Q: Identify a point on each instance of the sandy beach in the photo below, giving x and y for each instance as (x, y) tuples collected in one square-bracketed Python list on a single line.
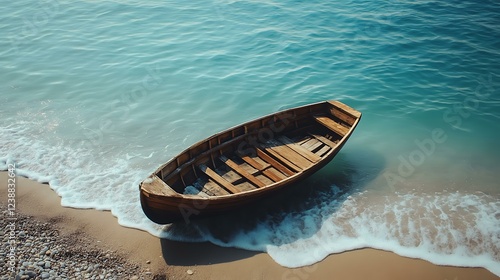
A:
[(152, 258)]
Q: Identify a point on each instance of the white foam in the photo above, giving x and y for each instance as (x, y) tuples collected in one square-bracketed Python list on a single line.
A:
[(465, 233), (459, 229), (83, 178)]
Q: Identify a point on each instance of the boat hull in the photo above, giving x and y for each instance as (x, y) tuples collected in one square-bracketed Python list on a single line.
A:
[(161, 197)]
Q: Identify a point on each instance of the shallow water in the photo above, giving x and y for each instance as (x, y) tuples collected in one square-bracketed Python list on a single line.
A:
[(96, 95)]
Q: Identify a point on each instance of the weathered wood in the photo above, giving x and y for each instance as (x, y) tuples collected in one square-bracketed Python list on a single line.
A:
[(248, 168), (308, 143), (166, 175), (235, 166), (274, 162), (323, 150), (299, 149), (343, 116), (265, 179), (355, 113), (302, 140), (311, 144), (325, 140), (154, 185), (282, 159), (246, 186), (332, 125), (242, 171), (212, 188), (231, 176), (217, 178), (291, 155), (253, 162), (272, 174)]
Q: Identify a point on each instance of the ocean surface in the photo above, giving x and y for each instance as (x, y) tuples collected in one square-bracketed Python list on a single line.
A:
[(95, 95)]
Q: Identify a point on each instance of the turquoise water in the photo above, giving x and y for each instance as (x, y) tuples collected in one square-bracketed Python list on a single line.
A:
[(97, 94)]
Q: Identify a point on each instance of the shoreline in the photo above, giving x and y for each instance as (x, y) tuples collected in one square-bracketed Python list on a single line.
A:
[(173, 260)]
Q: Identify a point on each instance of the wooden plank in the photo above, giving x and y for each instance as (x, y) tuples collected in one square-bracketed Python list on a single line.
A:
[(232, 177), (289, 154), (345, 108), (253, 162), (264, 179), (272, 174), (282, 159), (303, 140), (248, 168), (316, 146), (323, 150), (212, 185), (155, 185), (332, 125), (312, 157), (233, 165), (276, 164), (245, 186), (212, 188), (217, 178), (325, 140), (310, 144), (343, 116)]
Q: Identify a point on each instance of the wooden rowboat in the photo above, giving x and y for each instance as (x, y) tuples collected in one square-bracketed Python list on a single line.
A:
[(244, 163)]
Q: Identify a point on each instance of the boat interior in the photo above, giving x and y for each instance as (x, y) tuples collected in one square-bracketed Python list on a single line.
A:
[(258, 154)]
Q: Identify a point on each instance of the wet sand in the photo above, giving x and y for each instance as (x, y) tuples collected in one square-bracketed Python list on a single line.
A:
[(207, 261)]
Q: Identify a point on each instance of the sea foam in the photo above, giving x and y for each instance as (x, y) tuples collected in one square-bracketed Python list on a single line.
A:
[(458, 228)]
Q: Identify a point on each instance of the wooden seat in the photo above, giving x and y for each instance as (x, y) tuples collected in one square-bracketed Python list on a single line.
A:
[(325, 140), (276, 164), (311, 144), (238, 169), (312, 157), (283, 156), (155, 185), (332, 125), (218, 179), (270, 173)]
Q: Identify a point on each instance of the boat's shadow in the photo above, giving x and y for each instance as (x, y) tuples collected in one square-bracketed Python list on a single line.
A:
[(265, 223)]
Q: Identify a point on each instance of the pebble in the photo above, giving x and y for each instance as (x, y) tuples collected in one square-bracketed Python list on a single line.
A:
[(45, 254), (190, 272)]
